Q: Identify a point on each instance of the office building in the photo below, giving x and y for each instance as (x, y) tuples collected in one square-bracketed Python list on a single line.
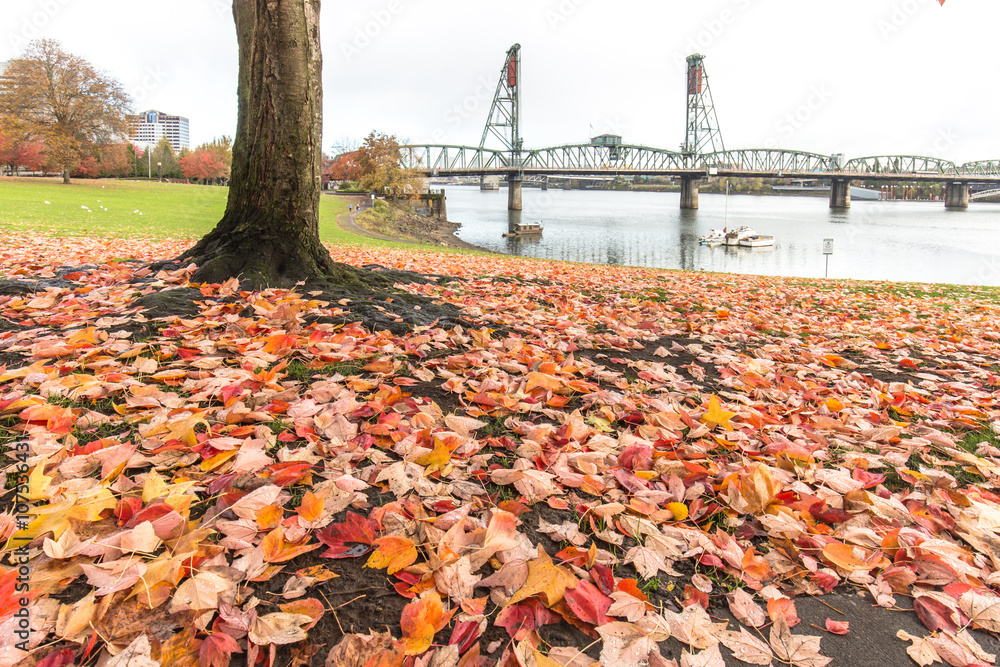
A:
[(150, 126)]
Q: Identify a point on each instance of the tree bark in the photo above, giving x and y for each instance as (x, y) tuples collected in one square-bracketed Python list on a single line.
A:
[(269, 234)]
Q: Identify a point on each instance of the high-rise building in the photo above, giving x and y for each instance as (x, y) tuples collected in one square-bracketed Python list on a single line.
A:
[(150, 126)]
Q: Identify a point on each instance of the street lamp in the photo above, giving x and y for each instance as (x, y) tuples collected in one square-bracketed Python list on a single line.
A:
[(159, 166)]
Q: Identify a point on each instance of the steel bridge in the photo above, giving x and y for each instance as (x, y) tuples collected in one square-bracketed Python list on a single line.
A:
[(702, 156)]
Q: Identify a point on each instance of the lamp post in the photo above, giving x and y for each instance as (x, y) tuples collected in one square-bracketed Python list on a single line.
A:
[(159, 167), (149, 160)]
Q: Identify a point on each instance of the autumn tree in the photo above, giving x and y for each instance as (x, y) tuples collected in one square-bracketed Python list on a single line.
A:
[(64, 101), (379, 161), (115, 159), (269, 233), (203, 164), (221, 148), (20, 150), (345, 167)]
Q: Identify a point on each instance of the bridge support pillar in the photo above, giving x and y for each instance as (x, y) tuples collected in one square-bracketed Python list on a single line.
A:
[(956, 195), (689, 193), (840, 193), (545, 183), (514, 192)]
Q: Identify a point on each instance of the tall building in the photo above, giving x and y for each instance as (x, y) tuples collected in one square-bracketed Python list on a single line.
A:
[(150, 126)]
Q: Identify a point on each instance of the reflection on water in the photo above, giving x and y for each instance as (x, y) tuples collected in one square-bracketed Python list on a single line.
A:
[(907, 241)]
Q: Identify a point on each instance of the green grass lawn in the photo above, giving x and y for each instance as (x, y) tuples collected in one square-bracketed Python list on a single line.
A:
[(134, 209)]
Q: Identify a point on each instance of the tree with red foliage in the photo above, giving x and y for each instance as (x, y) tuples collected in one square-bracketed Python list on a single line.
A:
[(203, 164), (115, 159), (18, 150), (346, 167), (87, 167)]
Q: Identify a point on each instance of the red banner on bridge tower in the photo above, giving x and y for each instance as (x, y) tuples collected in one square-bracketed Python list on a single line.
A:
[(512, 72), (695, 75)]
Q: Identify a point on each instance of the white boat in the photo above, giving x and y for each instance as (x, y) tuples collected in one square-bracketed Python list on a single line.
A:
[(525, 229), (734, 237), (757, 241), (714, 236)]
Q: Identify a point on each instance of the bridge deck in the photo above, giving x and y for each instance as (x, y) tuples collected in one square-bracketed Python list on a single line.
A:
[(637, 160)]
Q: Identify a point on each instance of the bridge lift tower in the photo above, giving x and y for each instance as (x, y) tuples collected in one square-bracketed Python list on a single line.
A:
[(504, 123), (702, 134)]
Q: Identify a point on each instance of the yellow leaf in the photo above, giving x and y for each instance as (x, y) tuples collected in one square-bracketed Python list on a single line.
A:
[(547, 382), (716, 416), (217, 460), (153, 487), (393, 553), (88, 335), (437, 459), (38, 481), (679, 510), (89, 507), (546, 580)]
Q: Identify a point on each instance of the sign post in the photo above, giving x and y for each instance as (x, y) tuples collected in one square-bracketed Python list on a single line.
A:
[(827, 251)]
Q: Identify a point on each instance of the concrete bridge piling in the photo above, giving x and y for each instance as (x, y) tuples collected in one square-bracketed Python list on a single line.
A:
[(689, 193), (956, 195), (514, 192), (840, 193)]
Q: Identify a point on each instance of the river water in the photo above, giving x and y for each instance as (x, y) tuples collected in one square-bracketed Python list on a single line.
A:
[(899, 241)]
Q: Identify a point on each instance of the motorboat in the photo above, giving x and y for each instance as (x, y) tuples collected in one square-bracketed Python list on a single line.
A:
[(735, 236), (714, 237), (757, 241), (525, 229)]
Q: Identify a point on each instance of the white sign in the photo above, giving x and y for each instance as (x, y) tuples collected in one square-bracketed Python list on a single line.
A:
[(827, 246)]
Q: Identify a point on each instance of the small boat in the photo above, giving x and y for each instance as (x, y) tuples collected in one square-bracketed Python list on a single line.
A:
[(714, 237), (734, 237), (525, 229), (757, 241)]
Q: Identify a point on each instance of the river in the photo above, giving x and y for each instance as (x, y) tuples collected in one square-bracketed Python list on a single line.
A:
[(898, 241)]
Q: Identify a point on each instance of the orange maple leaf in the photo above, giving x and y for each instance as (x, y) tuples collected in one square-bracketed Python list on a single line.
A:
[(546, 580), (311, 507), (393, 553), (277, 550), (421, 620)]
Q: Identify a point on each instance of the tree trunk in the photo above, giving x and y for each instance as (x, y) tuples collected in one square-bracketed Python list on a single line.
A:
[(65, 174), (269, 234)]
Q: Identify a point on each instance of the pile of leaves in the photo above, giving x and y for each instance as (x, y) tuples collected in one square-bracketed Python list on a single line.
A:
[(615, 465)]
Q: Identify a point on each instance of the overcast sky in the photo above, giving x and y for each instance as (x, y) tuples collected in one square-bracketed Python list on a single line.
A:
[(860, 77)]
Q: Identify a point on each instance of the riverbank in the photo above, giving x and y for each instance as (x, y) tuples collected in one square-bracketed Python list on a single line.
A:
[(393, 221)]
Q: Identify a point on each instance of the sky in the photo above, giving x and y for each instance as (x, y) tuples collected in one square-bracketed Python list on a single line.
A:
[(859, 77)]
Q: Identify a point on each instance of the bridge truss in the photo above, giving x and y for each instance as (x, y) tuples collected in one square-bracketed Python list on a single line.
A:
[(702, 134)]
